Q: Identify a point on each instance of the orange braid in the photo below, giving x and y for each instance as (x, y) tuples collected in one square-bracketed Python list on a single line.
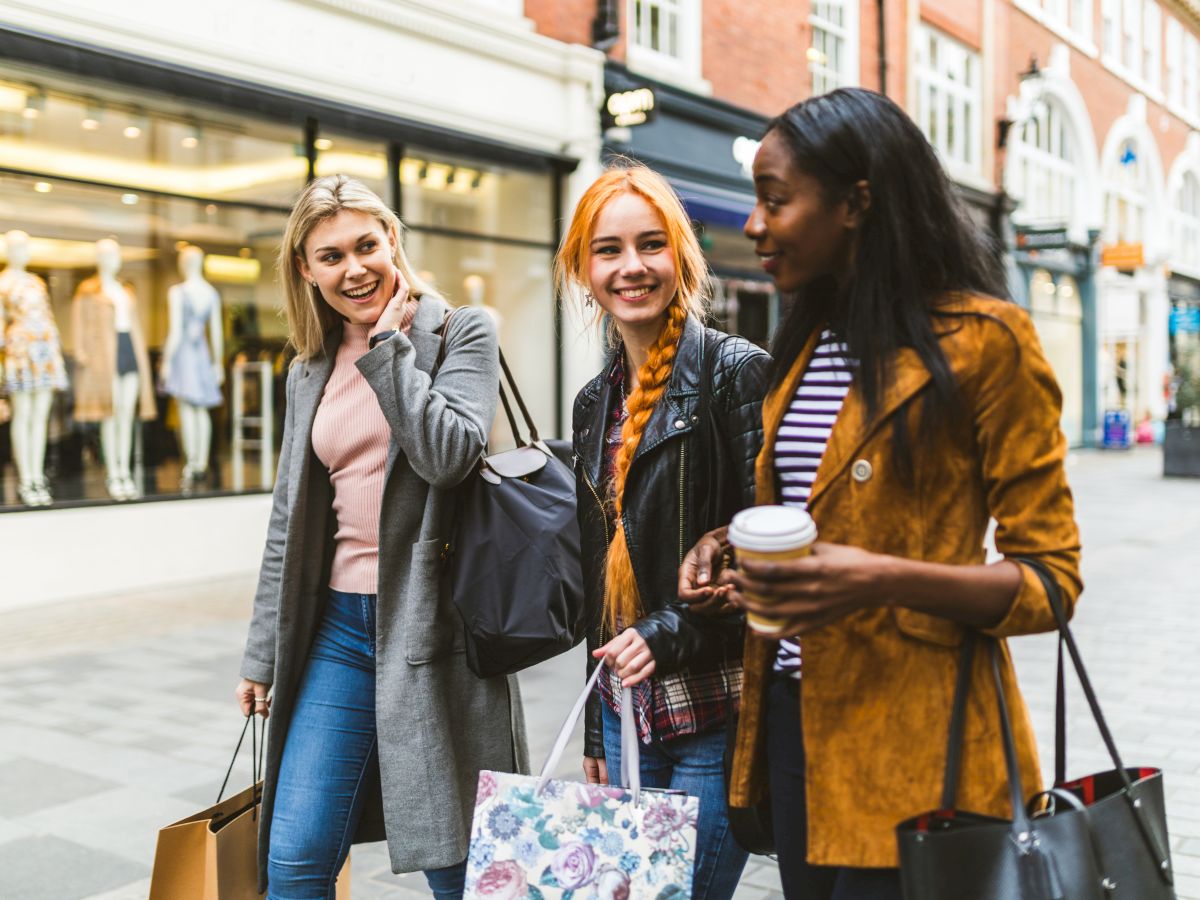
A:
[(621, 600)]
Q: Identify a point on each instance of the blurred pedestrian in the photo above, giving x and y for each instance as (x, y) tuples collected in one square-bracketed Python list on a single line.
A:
[(665, 438), (379, 729), (908, 405)]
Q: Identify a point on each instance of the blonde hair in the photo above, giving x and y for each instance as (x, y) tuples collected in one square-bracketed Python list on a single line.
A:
[(309, 317), (622, 602)]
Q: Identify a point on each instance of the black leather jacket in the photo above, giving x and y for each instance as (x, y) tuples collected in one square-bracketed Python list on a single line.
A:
[(690, 474)]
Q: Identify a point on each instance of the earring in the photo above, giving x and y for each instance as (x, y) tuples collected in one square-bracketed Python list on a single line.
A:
[(313, 283), (589, 299)]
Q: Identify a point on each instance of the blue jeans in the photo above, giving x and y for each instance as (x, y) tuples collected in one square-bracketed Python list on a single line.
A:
[(330, 747), (692, 763), (789, 816)]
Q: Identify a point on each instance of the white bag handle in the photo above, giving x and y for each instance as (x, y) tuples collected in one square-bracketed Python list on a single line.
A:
[(630, 754)]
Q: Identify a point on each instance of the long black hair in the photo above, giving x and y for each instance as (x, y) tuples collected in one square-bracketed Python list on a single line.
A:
[(915, 245)]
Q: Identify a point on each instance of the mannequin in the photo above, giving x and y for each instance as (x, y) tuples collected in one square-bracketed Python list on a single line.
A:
[(33, 366), (475, 287), (113, 386), (189, 372)]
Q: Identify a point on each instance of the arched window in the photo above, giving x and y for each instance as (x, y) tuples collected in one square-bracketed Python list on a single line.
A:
[(1186, 233), (1046, 172), (1126, 184)]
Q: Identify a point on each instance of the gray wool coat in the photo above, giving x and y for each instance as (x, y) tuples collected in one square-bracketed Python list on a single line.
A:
[(438, 724)]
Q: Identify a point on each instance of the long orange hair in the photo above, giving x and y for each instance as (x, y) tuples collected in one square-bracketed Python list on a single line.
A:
[(622, 602)]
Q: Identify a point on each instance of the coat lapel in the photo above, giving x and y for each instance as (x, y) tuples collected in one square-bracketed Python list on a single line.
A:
[(670, 416), (425, 333), (310, 387), (851, 430)]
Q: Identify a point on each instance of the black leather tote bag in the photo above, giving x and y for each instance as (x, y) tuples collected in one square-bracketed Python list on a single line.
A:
[(513, 556), (1103, 836)]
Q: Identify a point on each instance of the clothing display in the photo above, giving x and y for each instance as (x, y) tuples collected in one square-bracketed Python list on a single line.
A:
[(191, 378), (94, 317), (29, 338)]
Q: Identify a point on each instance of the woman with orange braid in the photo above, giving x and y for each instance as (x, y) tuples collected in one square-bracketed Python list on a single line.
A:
[(665, 438)]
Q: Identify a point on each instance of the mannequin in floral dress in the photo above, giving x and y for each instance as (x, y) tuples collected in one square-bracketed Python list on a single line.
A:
[(33, 366)]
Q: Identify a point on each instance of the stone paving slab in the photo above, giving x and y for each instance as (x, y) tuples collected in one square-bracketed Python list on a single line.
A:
[(132, 694)]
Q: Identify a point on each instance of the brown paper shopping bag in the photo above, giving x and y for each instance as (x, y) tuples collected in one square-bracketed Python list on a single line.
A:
[(213, 854)]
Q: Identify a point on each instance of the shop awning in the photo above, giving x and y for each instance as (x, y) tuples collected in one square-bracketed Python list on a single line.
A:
[(714, 205)]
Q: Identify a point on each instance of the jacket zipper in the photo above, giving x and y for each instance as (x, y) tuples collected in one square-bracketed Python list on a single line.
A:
[(682, 460)]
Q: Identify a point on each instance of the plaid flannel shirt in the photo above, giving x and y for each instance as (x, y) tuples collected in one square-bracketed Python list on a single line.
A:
[(686, 702)]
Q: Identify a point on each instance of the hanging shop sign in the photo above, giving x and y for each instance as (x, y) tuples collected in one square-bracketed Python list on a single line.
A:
[(1042, 239), (1124, 256), (624, 109), (1185, 319)]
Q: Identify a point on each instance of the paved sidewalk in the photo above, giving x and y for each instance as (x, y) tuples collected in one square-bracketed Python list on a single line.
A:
[(116, 714)]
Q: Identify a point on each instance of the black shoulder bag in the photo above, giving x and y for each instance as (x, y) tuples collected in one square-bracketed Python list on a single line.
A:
[(1100, 837), (513, 555)]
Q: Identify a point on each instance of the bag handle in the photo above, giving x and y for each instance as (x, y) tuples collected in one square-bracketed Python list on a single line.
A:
[(258, 744), (630, 753), (958, 716), (512, 385), (1065, 637)]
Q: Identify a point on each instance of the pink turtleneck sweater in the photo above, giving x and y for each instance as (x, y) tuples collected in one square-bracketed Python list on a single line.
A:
[(350, 436)]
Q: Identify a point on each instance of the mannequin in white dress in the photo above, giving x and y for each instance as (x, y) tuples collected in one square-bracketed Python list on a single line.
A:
[(192, 372)]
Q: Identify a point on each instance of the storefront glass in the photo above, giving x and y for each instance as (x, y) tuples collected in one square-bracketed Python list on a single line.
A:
[(86, 171)]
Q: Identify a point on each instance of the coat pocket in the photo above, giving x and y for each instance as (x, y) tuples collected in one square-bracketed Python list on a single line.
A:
[(432, 626), (925, 627)]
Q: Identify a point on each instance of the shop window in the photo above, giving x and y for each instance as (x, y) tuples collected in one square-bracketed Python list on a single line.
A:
[(462, 195), (122, 140), (664, 36), (1187, 223), (367, 161), (1047, 175), (513, 284), (949, 99), (832, 57)]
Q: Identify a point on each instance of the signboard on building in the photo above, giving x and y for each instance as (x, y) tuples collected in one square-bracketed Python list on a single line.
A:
[(1042, 239), (624, 109), (1124, 256), (1185, 319)]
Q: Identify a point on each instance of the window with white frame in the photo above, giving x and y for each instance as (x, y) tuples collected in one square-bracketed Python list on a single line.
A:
[(1187, 222), (1174, 62), (1131, 37), (832, 56), (1125, 203), (1191, 75), (949, 98), (665, 34), (1151, 62), (1045, 171), (1110, 16), (1071, 16)]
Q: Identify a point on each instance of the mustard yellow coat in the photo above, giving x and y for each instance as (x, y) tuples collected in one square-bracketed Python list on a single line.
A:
[(877, 685)]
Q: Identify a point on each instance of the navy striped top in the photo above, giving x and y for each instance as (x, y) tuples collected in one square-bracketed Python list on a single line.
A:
[(800, 442)]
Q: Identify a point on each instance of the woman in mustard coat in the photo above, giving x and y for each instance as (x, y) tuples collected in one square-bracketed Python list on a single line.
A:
[(909, 406)]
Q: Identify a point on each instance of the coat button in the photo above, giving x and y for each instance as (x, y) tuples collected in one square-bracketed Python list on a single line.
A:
[(695, 418), (679, 423), (861, 471), (585, 432)]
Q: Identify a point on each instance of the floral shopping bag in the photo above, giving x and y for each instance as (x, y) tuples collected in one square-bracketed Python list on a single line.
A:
[(542, 839)]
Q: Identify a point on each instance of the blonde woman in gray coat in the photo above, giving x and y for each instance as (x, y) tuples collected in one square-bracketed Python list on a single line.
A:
[(378, 728)]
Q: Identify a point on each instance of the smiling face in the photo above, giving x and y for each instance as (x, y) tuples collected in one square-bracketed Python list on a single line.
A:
[(798, 233), (349, 255), (631, 268)]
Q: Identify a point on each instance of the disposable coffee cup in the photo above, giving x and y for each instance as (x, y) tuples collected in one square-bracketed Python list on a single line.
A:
[(771, 534)]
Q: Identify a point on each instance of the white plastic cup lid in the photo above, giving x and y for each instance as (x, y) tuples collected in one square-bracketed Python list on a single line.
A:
[(770, 529)]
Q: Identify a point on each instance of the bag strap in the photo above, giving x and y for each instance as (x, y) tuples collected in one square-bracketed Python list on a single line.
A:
[(512, 385), (1065, 637), (957, 717), (257, 746), (631, 766)]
